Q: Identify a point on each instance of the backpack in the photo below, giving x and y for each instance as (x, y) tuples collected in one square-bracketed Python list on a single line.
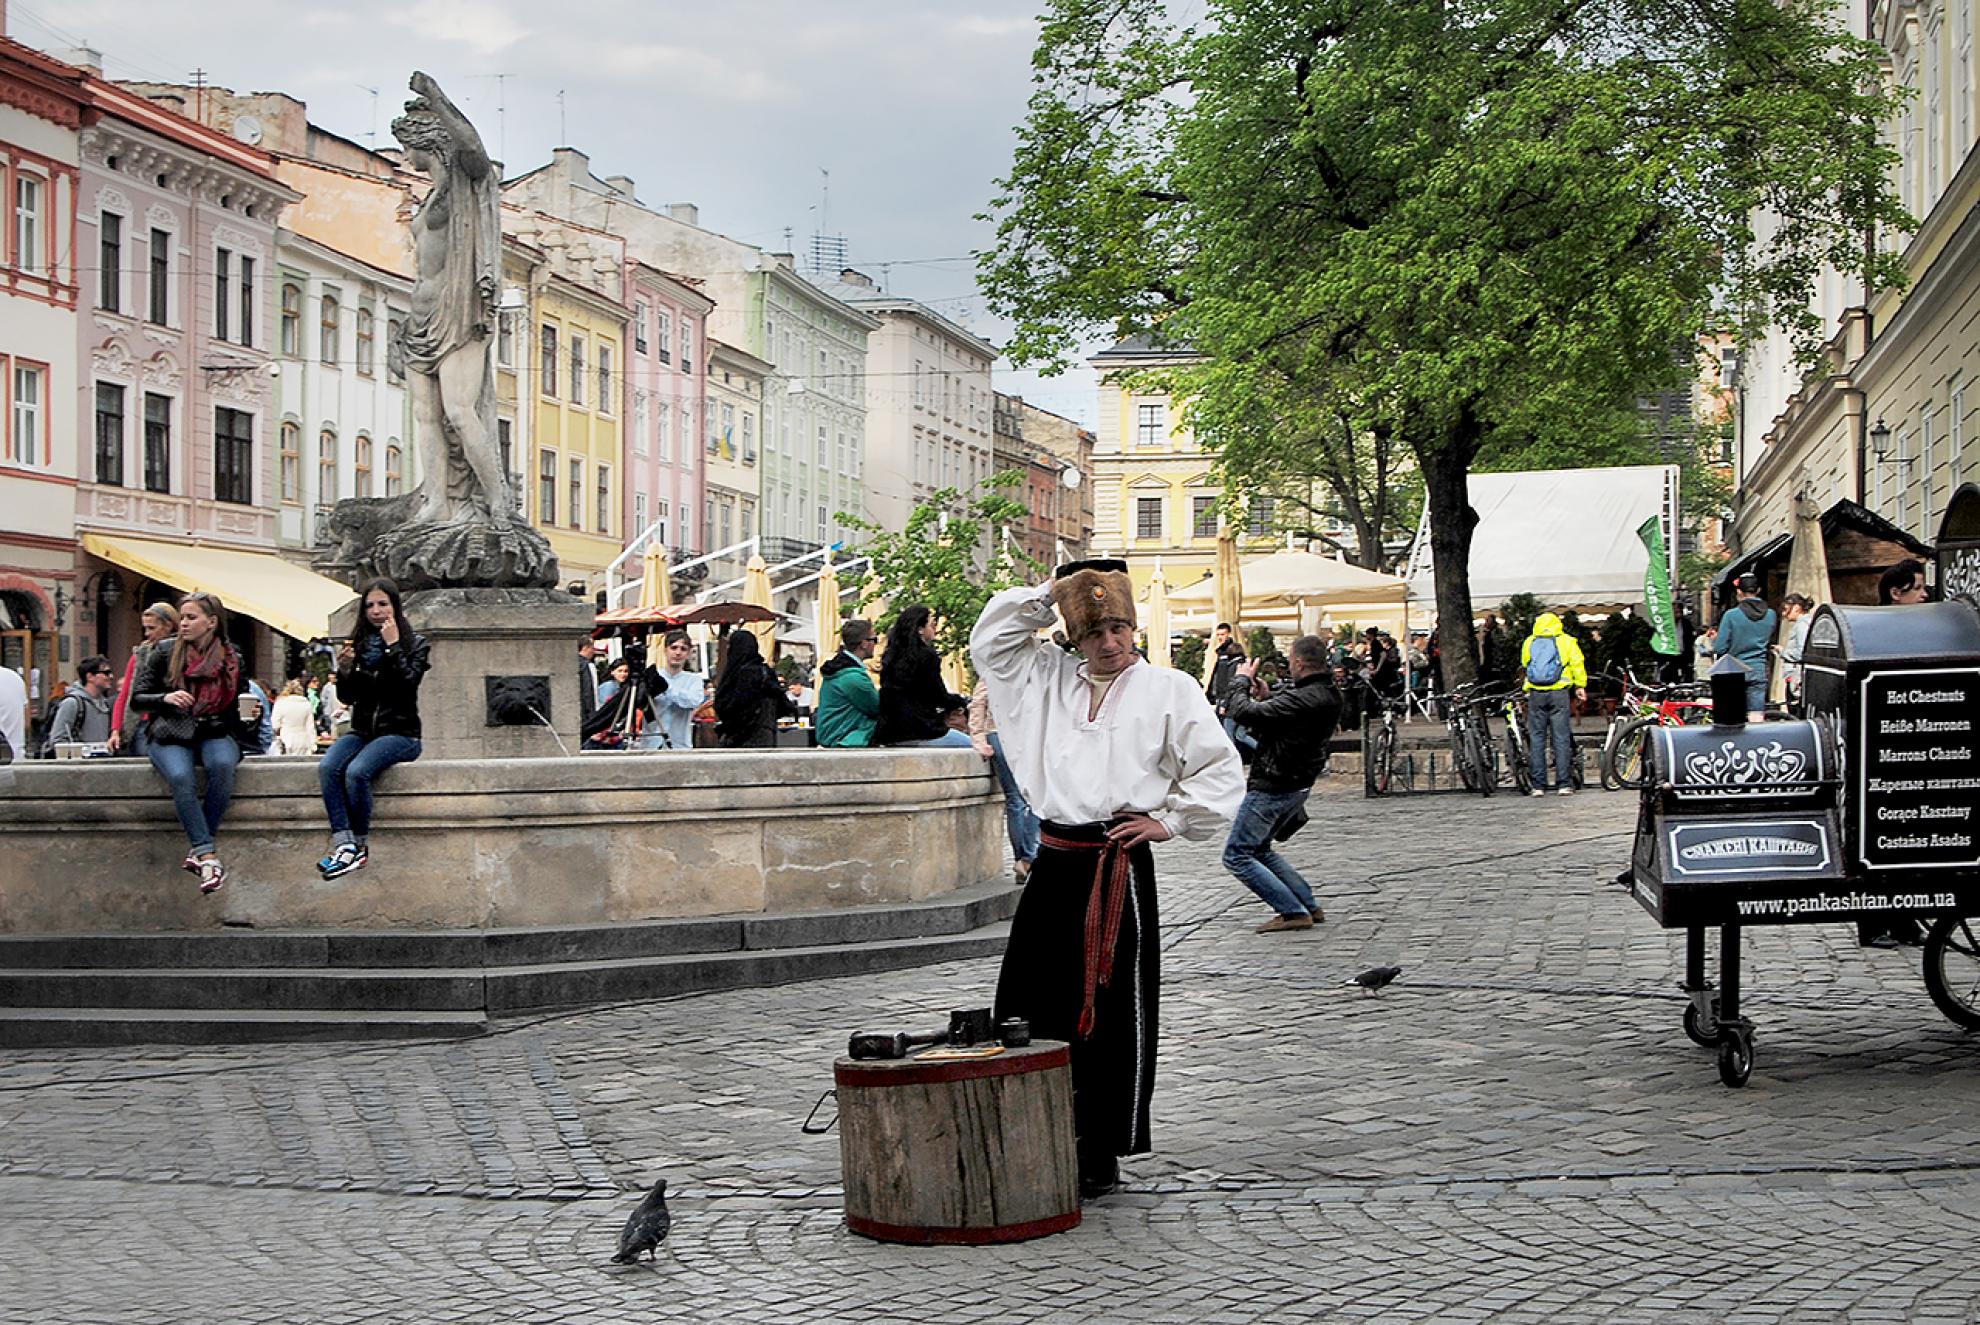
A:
[(1544, 666)]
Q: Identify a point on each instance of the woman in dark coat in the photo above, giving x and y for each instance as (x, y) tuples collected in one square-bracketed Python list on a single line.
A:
[(748, 697), (378, 675), (914, 703)]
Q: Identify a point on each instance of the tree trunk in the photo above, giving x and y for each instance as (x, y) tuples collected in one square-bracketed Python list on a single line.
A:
[(1446, 464)]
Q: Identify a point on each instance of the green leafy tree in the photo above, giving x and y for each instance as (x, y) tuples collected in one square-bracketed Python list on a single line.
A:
[(952, 555), (1479, 227)]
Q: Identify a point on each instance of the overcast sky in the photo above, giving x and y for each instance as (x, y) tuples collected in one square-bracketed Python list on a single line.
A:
[(736, 105)]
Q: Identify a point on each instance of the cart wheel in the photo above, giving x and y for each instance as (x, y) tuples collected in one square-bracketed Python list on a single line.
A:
[(1735, 1057), (1698, 1033), (1952, 970)]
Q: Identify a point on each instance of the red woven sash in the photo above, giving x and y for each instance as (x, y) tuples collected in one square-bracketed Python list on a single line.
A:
[(1104, 905)]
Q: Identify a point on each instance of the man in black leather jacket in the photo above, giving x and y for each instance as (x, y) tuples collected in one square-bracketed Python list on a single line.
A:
[(1292, 727)]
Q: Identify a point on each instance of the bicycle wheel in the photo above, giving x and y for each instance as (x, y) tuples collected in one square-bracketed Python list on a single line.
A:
[(1632, 752), (1384, 771), (1461, 757), (1483, 761), (1517, 762), (1952, 970), (1606, 759)]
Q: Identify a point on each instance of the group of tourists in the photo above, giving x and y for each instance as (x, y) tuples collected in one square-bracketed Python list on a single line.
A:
[(194, 707)]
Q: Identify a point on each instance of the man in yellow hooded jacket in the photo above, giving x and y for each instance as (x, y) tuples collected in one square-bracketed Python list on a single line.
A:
[(1553, 665)]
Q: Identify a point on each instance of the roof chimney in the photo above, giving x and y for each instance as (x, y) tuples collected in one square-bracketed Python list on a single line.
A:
[(853, 276), (570, 162), (86, 57), (684, 212), (621, 185)]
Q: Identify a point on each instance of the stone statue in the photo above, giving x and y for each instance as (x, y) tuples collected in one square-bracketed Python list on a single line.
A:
[(460, 528)]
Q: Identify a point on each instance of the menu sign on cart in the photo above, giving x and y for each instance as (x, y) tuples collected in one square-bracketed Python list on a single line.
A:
[(1918, 769)]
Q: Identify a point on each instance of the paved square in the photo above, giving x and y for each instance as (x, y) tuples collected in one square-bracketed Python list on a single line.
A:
[(1516, 1130)]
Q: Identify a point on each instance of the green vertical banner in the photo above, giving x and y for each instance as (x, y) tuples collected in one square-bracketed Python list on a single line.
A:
[(1657, 590)]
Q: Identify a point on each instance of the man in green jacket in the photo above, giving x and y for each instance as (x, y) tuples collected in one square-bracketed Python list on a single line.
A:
[(848, 701), (1552, 662)]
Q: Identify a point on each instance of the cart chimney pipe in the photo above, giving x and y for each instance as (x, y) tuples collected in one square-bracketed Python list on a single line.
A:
[(1729, 692)]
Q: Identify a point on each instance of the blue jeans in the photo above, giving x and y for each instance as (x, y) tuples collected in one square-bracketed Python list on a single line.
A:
[(178, 765), (1547, 714), (1019, 821), (1248, 853), (948, 740), (346, 772)]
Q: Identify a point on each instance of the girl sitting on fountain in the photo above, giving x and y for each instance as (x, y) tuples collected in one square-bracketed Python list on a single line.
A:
[(378, 674), (190, 696)]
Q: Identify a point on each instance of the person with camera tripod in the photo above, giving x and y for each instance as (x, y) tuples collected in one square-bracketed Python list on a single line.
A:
[(1111, 754)]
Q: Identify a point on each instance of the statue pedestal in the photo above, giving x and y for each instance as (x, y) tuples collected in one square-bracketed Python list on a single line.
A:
[(497, 653)]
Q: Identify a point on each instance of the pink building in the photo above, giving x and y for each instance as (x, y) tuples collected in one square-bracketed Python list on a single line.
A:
[(665, 388), (176, 385)]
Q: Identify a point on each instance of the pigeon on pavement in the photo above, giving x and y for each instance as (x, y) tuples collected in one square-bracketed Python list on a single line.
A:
[(646, 1228), (1375, 977)]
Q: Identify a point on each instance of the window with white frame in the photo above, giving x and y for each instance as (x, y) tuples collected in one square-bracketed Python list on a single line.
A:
[(157, 442), (328, 489), (28, 442), (640, 315), (158, 294), (248, 293), (291, 462), (687, 366), (1927, 473), (605, 379), (639, 422), (1956, 427), (329, 328), (711, 434), (728, 431), (223, 293), (687, 435), (505, 337), (663, 335), (1962, 79), (1933, 134), (110, 434), (604, 475), (109, 261), (577, 371), (575, 512), (367, 337), (663, 419), (546, 487), (233, 456), (546, 368), (290, 327), (1151, 423), (30, 197), (639, 512), (748, 437), (823, 441)]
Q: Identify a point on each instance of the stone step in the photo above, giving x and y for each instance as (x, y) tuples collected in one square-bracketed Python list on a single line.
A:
[(63, 1028), (246, 949), (57, 1006)]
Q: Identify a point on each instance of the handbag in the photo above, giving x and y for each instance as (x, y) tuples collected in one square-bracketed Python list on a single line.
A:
[(174, 728)]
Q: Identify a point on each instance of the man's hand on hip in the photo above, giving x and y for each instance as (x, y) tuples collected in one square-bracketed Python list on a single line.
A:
[(1134, 829)]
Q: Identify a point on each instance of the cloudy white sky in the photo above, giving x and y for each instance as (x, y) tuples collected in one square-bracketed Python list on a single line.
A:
[(736, 105)]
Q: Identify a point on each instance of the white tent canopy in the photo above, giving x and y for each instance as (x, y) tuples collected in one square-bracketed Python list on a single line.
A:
[(1567, 536), (1288, 578)]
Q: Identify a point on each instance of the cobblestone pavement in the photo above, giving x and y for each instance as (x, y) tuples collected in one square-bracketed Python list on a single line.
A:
[(1516, 1130)]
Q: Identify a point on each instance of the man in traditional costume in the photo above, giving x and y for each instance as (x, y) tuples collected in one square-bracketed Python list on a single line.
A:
[(1112, 754)]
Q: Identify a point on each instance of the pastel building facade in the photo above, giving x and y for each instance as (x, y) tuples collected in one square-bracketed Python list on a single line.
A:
[(666, 392), (177, 365), (42, 102), (814, 410), (736, 384)]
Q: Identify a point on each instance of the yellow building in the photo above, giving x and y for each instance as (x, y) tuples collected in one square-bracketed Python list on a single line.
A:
[(574, 358), (1155, 492)]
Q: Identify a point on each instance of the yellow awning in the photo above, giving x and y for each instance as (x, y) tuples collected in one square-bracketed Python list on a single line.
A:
[(296, 601)]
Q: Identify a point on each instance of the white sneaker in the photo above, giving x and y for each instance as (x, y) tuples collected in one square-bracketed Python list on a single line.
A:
[(1536, 792), (1567, 791)]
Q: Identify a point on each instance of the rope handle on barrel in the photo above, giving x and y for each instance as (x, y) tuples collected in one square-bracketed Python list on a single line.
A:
[(807, 1126)]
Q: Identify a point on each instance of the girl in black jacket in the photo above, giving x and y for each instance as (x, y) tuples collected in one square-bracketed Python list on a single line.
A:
[(378, 674), (749, 697), (913, 700)]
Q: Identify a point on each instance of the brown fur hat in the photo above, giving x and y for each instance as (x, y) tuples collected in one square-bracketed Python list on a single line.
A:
[(1088, 593)]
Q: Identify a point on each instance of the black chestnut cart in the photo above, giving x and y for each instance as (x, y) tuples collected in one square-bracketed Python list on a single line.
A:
[(1867, 810)]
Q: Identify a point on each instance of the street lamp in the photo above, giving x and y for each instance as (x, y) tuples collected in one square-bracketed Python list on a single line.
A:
[(1880, 440)]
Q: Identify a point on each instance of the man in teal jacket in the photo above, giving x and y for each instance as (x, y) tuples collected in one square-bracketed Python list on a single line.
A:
[(1552, 661), (1746, 631), (848, 701)]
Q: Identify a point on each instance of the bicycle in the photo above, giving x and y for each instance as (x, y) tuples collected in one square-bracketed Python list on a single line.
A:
[(1471, 753), (1626, 753), (1384, 759)]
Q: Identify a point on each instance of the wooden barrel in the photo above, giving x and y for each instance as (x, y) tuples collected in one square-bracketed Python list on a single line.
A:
[(960, 1151)]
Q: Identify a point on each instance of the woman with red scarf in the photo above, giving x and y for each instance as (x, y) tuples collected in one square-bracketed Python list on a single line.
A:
[(190, 696)]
